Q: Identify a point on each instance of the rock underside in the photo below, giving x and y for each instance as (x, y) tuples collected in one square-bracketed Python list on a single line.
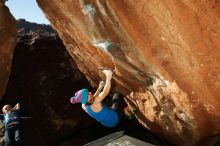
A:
[(165, 55), (8, 40)]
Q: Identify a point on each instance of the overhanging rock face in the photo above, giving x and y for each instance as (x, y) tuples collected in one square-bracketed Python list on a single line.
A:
[(8, 40), (165, 54)]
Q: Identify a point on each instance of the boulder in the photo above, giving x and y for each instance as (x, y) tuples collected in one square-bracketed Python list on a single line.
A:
[(8, 40), (165, 56)]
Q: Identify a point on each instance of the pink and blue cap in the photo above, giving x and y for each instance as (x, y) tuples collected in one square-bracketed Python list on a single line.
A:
[(80, 96)]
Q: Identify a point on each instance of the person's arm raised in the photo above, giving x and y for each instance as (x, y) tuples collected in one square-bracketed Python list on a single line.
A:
[(17, 107), (106, 90), (101, 85)]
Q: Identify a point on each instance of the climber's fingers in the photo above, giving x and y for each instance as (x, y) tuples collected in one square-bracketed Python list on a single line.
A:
[(108, 73)]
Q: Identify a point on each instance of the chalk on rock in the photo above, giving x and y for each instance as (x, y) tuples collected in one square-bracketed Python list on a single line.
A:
[(105, 45), (89, 9)]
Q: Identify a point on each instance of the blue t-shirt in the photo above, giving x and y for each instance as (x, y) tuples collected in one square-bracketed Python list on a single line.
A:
[(10, 117), (107, 116)]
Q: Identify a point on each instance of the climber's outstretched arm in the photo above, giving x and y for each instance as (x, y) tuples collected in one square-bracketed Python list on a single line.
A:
[(101, 85), (17, 107), (106, 90)]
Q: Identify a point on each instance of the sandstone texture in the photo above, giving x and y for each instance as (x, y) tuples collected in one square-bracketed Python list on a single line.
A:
[(165, 55), (8, 40)]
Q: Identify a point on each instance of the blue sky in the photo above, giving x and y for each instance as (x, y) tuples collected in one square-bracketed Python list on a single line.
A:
[(27, 9)]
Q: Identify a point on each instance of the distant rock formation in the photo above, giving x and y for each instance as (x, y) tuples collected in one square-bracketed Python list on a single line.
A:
[(165, 54), (25, 27), (8, 40)]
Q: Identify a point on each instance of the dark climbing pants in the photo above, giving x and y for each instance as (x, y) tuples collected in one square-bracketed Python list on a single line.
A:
[(13, 136), (118, 103)]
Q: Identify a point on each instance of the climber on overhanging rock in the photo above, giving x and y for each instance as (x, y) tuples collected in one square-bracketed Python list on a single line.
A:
[(94, 106)]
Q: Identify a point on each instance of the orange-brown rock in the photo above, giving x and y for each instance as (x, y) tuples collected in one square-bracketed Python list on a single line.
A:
[(8, 39), (165, 54)]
